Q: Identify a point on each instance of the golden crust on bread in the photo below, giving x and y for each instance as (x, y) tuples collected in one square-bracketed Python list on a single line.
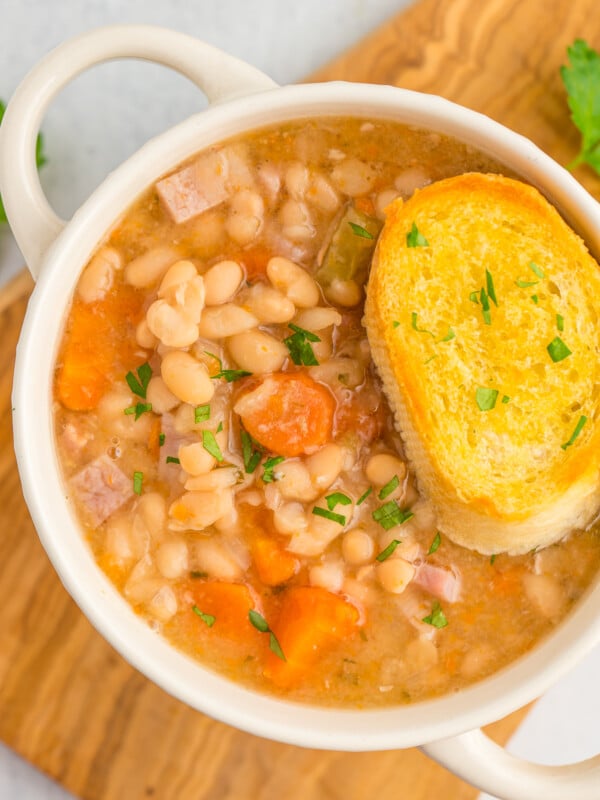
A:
[(510, 477)]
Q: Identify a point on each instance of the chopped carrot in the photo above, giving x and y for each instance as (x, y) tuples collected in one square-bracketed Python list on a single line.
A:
[(311, 620), (290, 413), (255, 261), (274, 565), (366, 205), (229, 605), (98, 346)]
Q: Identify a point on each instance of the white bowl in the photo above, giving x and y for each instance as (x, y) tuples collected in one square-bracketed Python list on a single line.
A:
[(241, 98)]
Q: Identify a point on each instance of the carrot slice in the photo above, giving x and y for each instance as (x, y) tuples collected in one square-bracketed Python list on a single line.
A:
[(274, 565), (98, 345), (311, 620), (229, 604), (288, 413)]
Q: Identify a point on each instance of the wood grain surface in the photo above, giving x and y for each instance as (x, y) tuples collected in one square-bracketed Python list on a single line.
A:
[(68, 702)]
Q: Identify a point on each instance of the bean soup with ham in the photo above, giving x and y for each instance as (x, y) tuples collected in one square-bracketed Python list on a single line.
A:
[(228, 450)]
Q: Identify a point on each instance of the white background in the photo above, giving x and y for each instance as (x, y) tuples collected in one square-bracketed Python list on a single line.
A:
[(108, 113)]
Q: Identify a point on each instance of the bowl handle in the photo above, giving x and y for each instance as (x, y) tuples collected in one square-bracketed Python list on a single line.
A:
[(484, 764), (220, 76)]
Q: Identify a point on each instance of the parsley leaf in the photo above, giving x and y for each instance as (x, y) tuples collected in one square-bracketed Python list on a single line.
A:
[(261, 624), (385, 554), (582, 82), (208, 619), (414, 238), (139, 384), (437, 618), (251, 452), (358, 230), (485, 398), (578, 428), (390, 514), (300, 348), (210, 444), (269, 475), (228, 375)]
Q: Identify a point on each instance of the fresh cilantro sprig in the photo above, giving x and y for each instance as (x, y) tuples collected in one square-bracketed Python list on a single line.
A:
[(582, 82), (40, 158)]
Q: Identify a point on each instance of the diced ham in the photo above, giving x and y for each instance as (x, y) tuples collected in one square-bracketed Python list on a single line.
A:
[(441, 582), (196, 188), (101, 488)]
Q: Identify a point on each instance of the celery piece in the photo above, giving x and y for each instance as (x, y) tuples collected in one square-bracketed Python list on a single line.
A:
[(349, 253)]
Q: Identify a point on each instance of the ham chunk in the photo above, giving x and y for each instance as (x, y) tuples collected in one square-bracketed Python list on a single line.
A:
[(101, 488), (206, 183), (443, 583)]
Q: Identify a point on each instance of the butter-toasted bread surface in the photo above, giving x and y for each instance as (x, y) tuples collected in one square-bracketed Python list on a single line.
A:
[(482, 313)]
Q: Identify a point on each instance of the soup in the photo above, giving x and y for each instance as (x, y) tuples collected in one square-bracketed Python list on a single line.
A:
[(229, 452)]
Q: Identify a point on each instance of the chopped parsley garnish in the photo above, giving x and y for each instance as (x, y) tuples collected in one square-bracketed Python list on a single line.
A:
[(578, 428), (491, 292), (387, 552), (269, 475), (437, 540), (138, 409), (492, 558), (210, 444), (389, 487), (485, 307), (251, 452), (415, 327), (526, 284), (219, 427), (536, 270), (449, 336), (172, 460), (557, 349), (581, 79), (486, 398), (505, 399), (337, 499), (395, 324), (201, 413), (139, 384), (300, 348), (138, 479), (228, 375), (560, 322), (428, 360), (414, 238), (208, 619), (474, 297), (358, 230), (364, 496), (390, 514), (327, 514), (437, 618), (261, 624), (161, 439), (197, 573), (535, 298)]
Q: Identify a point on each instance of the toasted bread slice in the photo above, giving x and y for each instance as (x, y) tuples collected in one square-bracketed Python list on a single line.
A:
[(483, 317)]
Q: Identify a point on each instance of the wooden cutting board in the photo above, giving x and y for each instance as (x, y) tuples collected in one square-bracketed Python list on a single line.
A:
[(68, 702)]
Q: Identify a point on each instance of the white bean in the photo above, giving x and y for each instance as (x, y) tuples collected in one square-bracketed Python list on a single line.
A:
[(98, 276), (344, 293), (290, 518), (159, 396), (111, 414), (212, 557), (149, 268), (338, 372), (325, 465), (257, 352), (172, 558), (221, 282), (246, 219), (358, 547), (177, 274), (187, 378), (545, 594), (195, 459), (213, 481), (312, 542), (294, 481), (296, 221), (322, 194), (318, 318), (171, 325), (354, 177), (329, 575), (269, 305), (196, 511), (163, 605), (394, 574), (152, 510), (144, 336), (218, 322), (411, 179), (293, 281), (296, 180), (383, 200), (383, 467)]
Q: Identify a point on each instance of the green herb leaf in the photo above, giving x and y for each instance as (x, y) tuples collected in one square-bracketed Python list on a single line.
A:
[(537, 270), (389, 487), (387, 552), (390, 514), (275, 647), (485, 307), (505, 399), (486, 398), (300, 348), (364, 496), (415, 327), (210, 444), (414, 238), (492, 558), (261, 624), (474, 297), (395, 324), (535, 298), (172, 460), (197, 573), (437, 618), (201, 413), (448, 337), (435, 544), (337, 499), (582, 79), (269, 475), (526, 284), (327, 514), (557, 349), (491, 292), (161, 439), (560, 322), (139, 384), (228, 375), (219, 427), (138, 479), (208, 619), (251, 452), (428, 360), (358, 230), (138, 409), (578, 428)]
